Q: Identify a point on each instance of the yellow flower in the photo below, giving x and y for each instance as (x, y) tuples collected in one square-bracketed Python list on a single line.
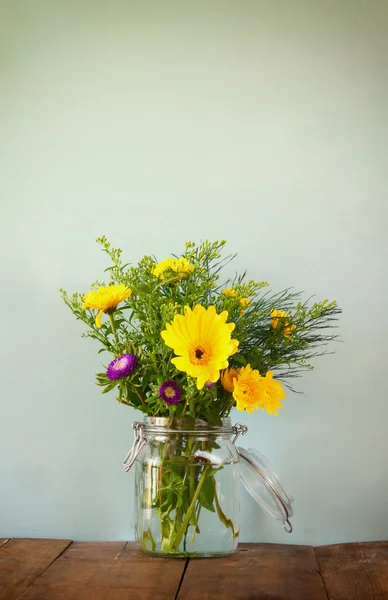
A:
[(247, 389), (287, 328), (180, 266), (105, 298), (228, 378), (271, 392), (253, 391), (201, 339), (230, 292), (244, 302), (276, 316)]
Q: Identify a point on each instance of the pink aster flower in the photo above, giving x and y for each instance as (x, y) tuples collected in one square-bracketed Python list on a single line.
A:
[(170, 392), (121, 366)]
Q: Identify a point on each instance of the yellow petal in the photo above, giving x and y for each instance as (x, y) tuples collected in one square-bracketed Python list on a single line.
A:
[(201, 380), (99, 319)]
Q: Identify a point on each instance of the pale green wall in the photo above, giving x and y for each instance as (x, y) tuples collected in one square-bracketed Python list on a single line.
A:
[(264, 123)]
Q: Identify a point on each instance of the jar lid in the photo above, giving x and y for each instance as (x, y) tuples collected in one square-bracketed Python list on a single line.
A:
[(264, 486)]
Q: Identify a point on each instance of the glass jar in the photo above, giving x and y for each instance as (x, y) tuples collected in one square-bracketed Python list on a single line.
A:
[(187, 486)]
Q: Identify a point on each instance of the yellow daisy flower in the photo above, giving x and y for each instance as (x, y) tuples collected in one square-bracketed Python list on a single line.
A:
[(105, 298), (228, 378), (201, 339), (180, 266), (287, 328), (253, 391), (247, 389), (271, 392)]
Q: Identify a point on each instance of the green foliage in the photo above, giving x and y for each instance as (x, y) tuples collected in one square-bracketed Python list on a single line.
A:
[(135, 326)]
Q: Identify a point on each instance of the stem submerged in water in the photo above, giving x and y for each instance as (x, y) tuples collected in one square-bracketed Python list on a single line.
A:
[(227, 522), (191, 508)]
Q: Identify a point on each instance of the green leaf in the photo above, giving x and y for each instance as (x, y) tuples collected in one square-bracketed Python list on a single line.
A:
[(143, 288), (102, 379), (238, 358), (206, 495), (176, 464), (215, 470), (176, 459), (109, 387), (214, 418), (146, 379)]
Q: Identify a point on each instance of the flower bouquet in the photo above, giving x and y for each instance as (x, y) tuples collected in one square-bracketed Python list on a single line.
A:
[(185, 349)]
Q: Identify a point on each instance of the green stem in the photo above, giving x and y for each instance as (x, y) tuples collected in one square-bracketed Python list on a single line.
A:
[(196, 530), (192, 405), (185, 408), (113, 326), (140, 397), (192, 475), (191, 508), (147, 536), (192, 484), (165, 523)]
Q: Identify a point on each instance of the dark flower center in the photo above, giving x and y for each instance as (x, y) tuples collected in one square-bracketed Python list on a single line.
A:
[(198, 353)]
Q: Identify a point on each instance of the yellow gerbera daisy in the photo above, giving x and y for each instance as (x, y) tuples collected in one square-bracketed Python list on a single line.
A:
[(180, 266), (228, 378), (247, 389), (271, 392), (105, 298), (201, 338), (281, 314)]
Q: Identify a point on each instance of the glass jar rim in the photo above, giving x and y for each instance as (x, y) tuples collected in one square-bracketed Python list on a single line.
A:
[(185, 425)]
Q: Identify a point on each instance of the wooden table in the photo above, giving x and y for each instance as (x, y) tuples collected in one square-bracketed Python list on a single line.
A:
[(63, 570)]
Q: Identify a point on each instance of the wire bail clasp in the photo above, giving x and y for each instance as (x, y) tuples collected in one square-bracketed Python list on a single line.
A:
[(238, 430), (138, 443)]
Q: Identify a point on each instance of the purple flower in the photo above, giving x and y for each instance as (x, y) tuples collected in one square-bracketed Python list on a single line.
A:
[(209, 384), (121, 366), (170, 392)]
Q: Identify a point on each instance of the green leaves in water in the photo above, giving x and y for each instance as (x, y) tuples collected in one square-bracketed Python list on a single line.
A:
[(206, 495)]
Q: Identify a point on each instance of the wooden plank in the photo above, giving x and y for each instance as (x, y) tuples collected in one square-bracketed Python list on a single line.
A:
[(355, 571), (108, 571), (23, 560), (255, 571)]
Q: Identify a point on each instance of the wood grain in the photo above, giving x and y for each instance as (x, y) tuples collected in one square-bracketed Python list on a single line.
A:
[(23, 560), (108, 571), (255, 572), (355, 571), (60, 570)]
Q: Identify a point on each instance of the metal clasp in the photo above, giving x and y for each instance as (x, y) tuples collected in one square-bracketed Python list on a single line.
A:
[(138, 443), (238, 429)]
